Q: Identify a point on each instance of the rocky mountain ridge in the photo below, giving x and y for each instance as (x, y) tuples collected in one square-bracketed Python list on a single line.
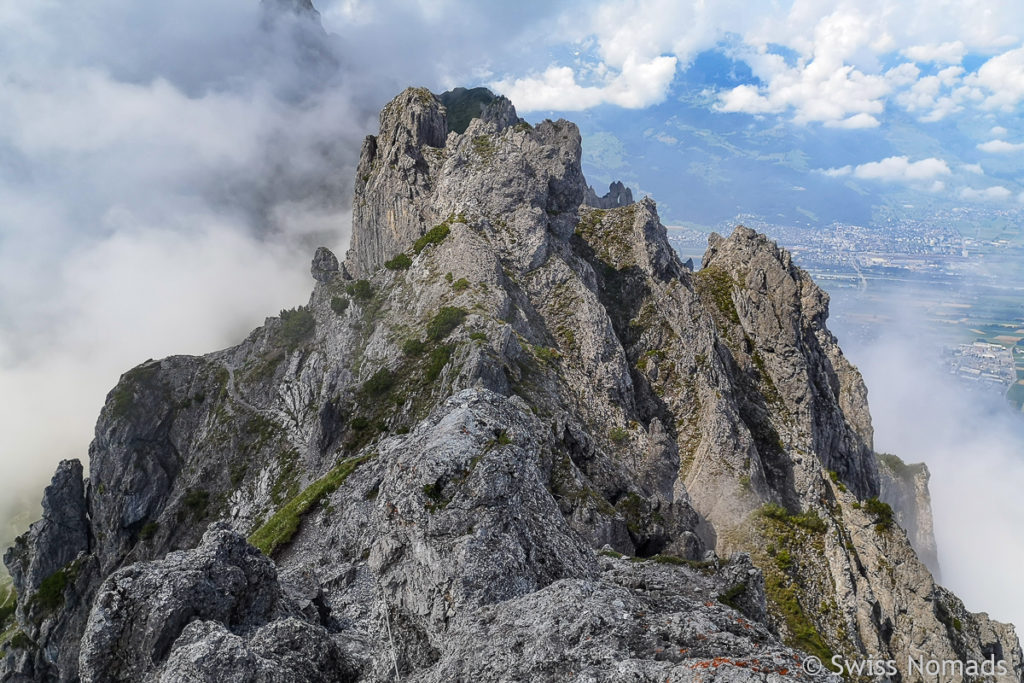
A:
[(510, 437)]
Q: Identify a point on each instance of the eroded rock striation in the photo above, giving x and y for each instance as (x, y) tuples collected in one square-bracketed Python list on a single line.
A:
[(510, 437)]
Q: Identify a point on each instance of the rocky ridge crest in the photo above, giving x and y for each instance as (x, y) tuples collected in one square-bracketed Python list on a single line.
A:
[(510, 437)]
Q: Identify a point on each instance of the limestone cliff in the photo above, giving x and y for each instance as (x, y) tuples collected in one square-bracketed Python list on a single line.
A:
[(511, 437)]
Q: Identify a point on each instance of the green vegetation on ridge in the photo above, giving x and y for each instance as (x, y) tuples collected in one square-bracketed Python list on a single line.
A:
[(279, 529)]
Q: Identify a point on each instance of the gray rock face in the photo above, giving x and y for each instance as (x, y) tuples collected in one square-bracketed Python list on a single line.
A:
[(412, 177), (58, 538), (51, 573), (646, 622), (519, 452), (385, 221), (617, 195), (284, 651), (325, 265), (905, 488), (226, 592), (782, 311)]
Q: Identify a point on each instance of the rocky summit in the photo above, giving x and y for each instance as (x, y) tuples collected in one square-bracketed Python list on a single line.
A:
[(510, 437)]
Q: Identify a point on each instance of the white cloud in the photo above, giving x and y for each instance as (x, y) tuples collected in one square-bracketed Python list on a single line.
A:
[(1000, 147), (837, 172), (998, 131), (905, 74), (861, 120), (950, 75), (973, 168), (637, 85), (1003, 77), (995, 193), (747, 99), (821, 87), (947, 53), (834, 76), (897, 169), (902, 169), (922, 413), (935, 97)]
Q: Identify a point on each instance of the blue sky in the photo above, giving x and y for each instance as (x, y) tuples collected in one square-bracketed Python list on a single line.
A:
[(826, 107)]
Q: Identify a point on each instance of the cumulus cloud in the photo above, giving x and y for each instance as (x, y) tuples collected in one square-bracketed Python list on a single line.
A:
[(894, 169), (861, 120), (1002, 77), (832, 73), (1000, 146), (822, 86), (749, 100), (947, 53), (902, 169), (996, 193), (838, 172), (635, 85), (976, 169)]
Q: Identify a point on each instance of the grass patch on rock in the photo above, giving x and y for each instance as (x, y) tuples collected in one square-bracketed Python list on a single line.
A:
[(413, 347), (802, 633), (435, 235), (882, 513), (297, 325), (281, 527), (446, 320), (339, 304), (379, 384), (436, 361), (898, 467), (714, 284), (809, 520), (361, 290), (399, 262)]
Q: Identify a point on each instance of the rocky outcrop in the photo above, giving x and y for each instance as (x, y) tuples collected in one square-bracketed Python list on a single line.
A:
[(58, 537), (293, 32), (512, 437), (905, 488), (782, 312), (214, 610), (617, 195), (325, 265), (284, 651), (411, 178), (51, 572)]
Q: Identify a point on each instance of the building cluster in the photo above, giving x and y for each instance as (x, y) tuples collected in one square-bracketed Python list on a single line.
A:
[(983, 362)]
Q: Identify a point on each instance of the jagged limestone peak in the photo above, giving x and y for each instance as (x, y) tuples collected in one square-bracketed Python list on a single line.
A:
[(504, 403), (414, 175), (776, 305)]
